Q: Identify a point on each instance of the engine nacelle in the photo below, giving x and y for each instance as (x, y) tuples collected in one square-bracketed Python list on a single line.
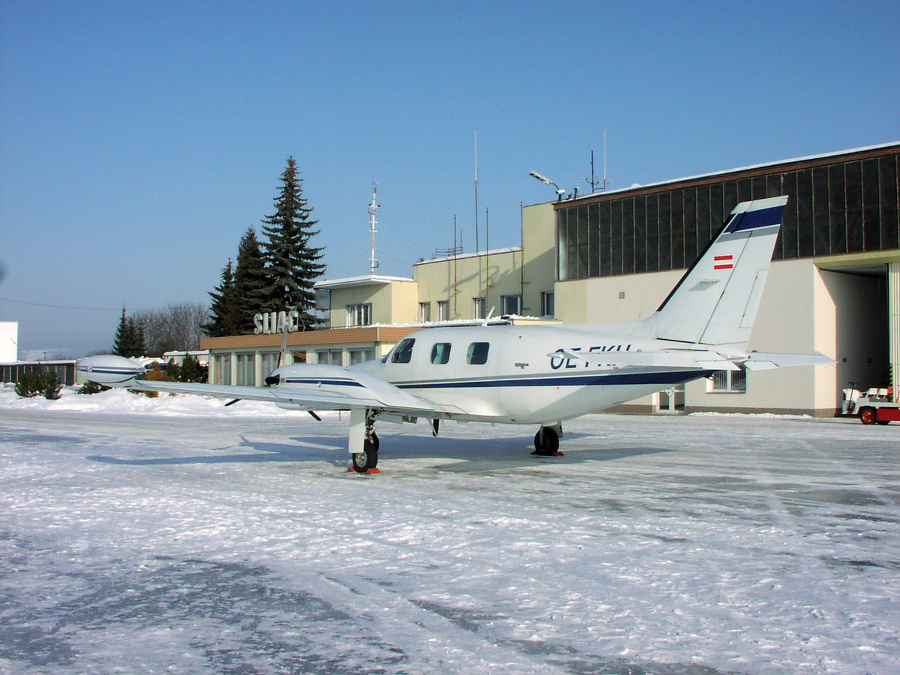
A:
[(109, 370)]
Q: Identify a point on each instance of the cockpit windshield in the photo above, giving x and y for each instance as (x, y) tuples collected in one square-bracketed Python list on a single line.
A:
[(403, 352)]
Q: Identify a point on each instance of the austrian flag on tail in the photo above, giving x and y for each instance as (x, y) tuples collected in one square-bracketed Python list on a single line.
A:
[(723, 262)]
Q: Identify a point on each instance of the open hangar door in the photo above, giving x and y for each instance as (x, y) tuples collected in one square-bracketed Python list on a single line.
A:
[(862, 318)]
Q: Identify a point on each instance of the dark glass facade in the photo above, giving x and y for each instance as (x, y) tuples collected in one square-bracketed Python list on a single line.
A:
[(846, 204)]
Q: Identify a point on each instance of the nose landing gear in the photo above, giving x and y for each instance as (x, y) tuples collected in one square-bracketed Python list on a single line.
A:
[(363, 442), (367, 460)]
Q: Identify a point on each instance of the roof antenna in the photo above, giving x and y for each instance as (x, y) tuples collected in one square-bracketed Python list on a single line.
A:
[(593, 182), (373, 210)]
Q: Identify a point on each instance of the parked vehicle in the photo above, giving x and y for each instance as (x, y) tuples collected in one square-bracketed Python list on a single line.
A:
[(876, 406)]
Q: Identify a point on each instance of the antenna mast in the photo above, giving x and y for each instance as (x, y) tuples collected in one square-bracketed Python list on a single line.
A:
[(593, 179), (604, 159), (373, 211)]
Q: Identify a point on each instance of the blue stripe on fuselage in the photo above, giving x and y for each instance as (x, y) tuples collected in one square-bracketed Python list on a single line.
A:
[(595, 379), (109, 371)]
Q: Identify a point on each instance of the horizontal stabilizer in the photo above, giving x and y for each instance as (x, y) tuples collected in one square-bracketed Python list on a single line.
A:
[(704, 358), (671, 358), (765, 361)]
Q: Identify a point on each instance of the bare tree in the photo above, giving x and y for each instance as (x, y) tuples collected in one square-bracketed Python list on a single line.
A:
[(177, 327)]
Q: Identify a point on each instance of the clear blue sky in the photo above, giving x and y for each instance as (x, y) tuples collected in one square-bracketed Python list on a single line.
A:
[(138, 141)]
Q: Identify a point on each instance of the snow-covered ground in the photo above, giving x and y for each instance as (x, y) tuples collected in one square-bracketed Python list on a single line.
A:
[(174, 535)]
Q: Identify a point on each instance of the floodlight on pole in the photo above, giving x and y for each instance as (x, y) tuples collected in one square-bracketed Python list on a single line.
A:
[(547, 181)]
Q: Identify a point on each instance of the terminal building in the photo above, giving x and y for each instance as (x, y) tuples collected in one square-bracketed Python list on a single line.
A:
[(833, 287)]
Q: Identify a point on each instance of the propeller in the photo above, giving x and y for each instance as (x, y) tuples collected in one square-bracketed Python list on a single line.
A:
[(284, 334)]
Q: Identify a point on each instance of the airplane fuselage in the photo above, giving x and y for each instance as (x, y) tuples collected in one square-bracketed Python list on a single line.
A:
[(533, 374), (523, 374)]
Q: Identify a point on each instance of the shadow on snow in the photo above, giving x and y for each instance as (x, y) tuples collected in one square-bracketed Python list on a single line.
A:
[(446, 453)]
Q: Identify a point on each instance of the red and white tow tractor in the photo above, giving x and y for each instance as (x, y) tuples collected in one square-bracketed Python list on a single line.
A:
[(876, 406)]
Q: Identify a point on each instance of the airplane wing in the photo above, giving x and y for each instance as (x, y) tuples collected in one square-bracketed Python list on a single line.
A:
[(307, 399), (307, 387)]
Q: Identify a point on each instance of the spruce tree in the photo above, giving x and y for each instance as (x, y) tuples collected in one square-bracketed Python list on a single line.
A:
[(191, 370), (224, 311), (250, 281), (292, 265), (129, 337)]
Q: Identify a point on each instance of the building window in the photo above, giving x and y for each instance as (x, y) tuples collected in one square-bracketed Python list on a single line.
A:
[(478, 353), (361, 356), (839, 207), (222, 369), (443, 309), (440, 353), (403, 351), (334, 357), (730, 381), (511, 304), (359, 315), (269, 361), (424, 312), (246, 369), (479, 308), (548, 305)]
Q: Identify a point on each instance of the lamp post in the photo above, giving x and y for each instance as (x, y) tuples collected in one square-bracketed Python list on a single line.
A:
[(547, 181)]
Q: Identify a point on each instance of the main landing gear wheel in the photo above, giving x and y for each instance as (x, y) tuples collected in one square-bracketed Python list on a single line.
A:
[(546, 443), (365, 461)]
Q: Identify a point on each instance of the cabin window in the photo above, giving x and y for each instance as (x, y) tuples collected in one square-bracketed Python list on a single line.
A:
[(440, 353), (403, 351), (478, 353)]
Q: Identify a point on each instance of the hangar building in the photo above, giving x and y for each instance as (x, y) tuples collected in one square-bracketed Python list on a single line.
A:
[(833, 287)]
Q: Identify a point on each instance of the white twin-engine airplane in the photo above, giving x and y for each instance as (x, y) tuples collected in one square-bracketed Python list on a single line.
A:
[(539, 374)]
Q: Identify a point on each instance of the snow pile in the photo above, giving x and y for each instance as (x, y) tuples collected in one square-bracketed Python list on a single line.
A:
[(124, 401)]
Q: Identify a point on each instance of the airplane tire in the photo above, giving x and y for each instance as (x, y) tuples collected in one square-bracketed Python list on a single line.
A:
[(367, 459), (867, 415), (546, 441)]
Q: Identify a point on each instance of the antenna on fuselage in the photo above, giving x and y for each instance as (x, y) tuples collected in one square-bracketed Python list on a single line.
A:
[(488, 317)]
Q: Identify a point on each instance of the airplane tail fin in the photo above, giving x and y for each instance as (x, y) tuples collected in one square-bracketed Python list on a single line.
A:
[(716, 300)]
